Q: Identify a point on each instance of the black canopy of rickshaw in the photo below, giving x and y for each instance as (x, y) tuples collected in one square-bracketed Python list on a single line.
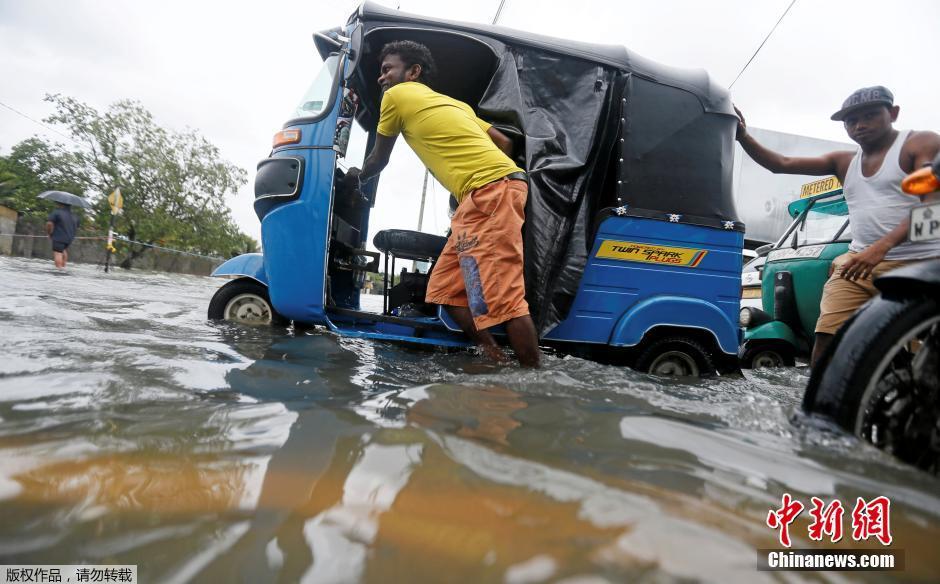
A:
[(595, 126)]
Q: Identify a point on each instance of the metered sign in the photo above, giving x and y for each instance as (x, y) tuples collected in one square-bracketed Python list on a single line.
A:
[(925, 222)]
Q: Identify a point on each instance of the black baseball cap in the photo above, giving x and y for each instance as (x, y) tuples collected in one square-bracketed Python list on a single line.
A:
[(864, 97)]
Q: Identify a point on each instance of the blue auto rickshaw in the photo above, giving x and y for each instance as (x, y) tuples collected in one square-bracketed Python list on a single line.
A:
[(632, 245)]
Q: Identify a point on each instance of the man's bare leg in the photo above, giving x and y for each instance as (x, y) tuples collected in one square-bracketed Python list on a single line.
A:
[(822, 341), (59, 259), (524, 341), (483, 339), (520, 330)]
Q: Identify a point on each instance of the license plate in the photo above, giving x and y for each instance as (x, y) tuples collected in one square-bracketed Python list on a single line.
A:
[(800, 253), (925, 222)]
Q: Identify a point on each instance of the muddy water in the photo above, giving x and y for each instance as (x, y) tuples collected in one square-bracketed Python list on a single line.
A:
[(133, 431)]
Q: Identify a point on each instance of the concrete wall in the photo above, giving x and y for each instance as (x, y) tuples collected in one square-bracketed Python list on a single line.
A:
[(30, 241)]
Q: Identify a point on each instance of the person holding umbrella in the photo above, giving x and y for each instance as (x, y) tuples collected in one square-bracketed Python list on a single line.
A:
[(61, 225)]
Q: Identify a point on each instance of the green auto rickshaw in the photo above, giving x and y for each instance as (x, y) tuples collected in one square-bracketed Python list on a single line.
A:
[(792, 279)]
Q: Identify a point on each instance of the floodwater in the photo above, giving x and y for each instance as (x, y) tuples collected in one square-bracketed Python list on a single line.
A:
[(134, 431)]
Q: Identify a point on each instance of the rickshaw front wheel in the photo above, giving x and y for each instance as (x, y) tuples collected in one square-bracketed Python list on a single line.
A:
[(767, 357), (675, 357), (244, 301)]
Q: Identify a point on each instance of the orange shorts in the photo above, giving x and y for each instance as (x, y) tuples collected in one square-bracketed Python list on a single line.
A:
[(841, 297), (481, 265)]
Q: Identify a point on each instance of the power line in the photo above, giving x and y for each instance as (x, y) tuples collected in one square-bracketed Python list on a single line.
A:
[(762, 44), (118, 237), (19, 113), (499, 11), (179, 251)]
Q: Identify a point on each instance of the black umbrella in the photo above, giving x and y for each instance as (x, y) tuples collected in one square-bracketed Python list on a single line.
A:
[(65, 198)]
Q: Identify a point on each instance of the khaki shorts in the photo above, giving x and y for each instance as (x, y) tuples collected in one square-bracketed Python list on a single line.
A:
[(481, 265), (841, 297)]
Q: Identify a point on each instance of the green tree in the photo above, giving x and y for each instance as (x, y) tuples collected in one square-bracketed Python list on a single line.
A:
[(33, 166), (174, 183)]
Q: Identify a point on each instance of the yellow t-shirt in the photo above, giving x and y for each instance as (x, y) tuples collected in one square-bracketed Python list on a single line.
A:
[(446, 135)]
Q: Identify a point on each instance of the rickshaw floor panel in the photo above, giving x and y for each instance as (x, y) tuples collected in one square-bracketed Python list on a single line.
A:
[(359, 316)]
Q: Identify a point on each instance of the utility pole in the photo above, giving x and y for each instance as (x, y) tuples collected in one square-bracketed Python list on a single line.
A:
[(424, 194)]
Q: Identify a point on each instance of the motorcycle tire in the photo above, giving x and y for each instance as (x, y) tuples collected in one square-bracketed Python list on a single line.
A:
[(868, 386)]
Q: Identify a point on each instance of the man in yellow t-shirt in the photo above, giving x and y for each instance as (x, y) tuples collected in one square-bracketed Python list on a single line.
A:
[(478, 276)]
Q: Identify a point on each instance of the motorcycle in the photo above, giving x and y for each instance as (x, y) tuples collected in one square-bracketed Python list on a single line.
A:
[(880, 377)]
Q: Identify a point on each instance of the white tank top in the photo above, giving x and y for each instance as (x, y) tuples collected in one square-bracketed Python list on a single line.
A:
[(877, 205)]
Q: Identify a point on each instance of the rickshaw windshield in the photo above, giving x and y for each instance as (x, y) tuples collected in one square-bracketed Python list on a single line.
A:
[(318, 97), (823, 223)]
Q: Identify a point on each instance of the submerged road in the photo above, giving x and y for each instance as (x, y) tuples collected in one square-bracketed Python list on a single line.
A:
[(134, 431)]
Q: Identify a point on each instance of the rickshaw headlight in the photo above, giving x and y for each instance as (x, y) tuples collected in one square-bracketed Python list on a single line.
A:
[(751, 317)]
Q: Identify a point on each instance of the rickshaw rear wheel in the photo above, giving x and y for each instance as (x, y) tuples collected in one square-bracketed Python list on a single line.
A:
[(675, 357), (767, 356), (244, 301)]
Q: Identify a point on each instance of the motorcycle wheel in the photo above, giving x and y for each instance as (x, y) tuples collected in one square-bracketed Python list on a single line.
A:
[(883, 383)]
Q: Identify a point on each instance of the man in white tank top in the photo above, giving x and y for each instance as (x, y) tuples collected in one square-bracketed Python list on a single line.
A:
[(878, 210)]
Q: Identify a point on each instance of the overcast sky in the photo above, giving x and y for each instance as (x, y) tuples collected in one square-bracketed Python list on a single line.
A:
[(235, 70)]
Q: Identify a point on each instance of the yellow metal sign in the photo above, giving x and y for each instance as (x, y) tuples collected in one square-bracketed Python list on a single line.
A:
[(819, 187), (650, 254), (116, 201)]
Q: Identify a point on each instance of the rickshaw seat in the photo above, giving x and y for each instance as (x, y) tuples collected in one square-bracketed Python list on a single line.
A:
[(409, 245)]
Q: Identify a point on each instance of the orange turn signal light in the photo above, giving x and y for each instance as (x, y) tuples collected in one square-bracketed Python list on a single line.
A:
[(285, 137), (921, 182)]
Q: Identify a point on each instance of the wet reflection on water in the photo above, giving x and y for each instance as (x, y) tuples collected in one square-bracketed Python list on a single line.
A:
[(133, 431)]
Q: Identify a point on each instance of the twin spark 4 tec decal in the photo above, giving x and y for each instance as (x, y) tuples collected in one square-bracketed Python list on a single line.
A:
[(650, 254)]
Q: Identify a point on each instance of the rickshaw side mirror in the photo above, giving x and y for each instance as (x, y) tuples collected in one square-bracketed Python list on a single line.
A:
[(333, 38), (352, 51), (764, 249), (348, 45)]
